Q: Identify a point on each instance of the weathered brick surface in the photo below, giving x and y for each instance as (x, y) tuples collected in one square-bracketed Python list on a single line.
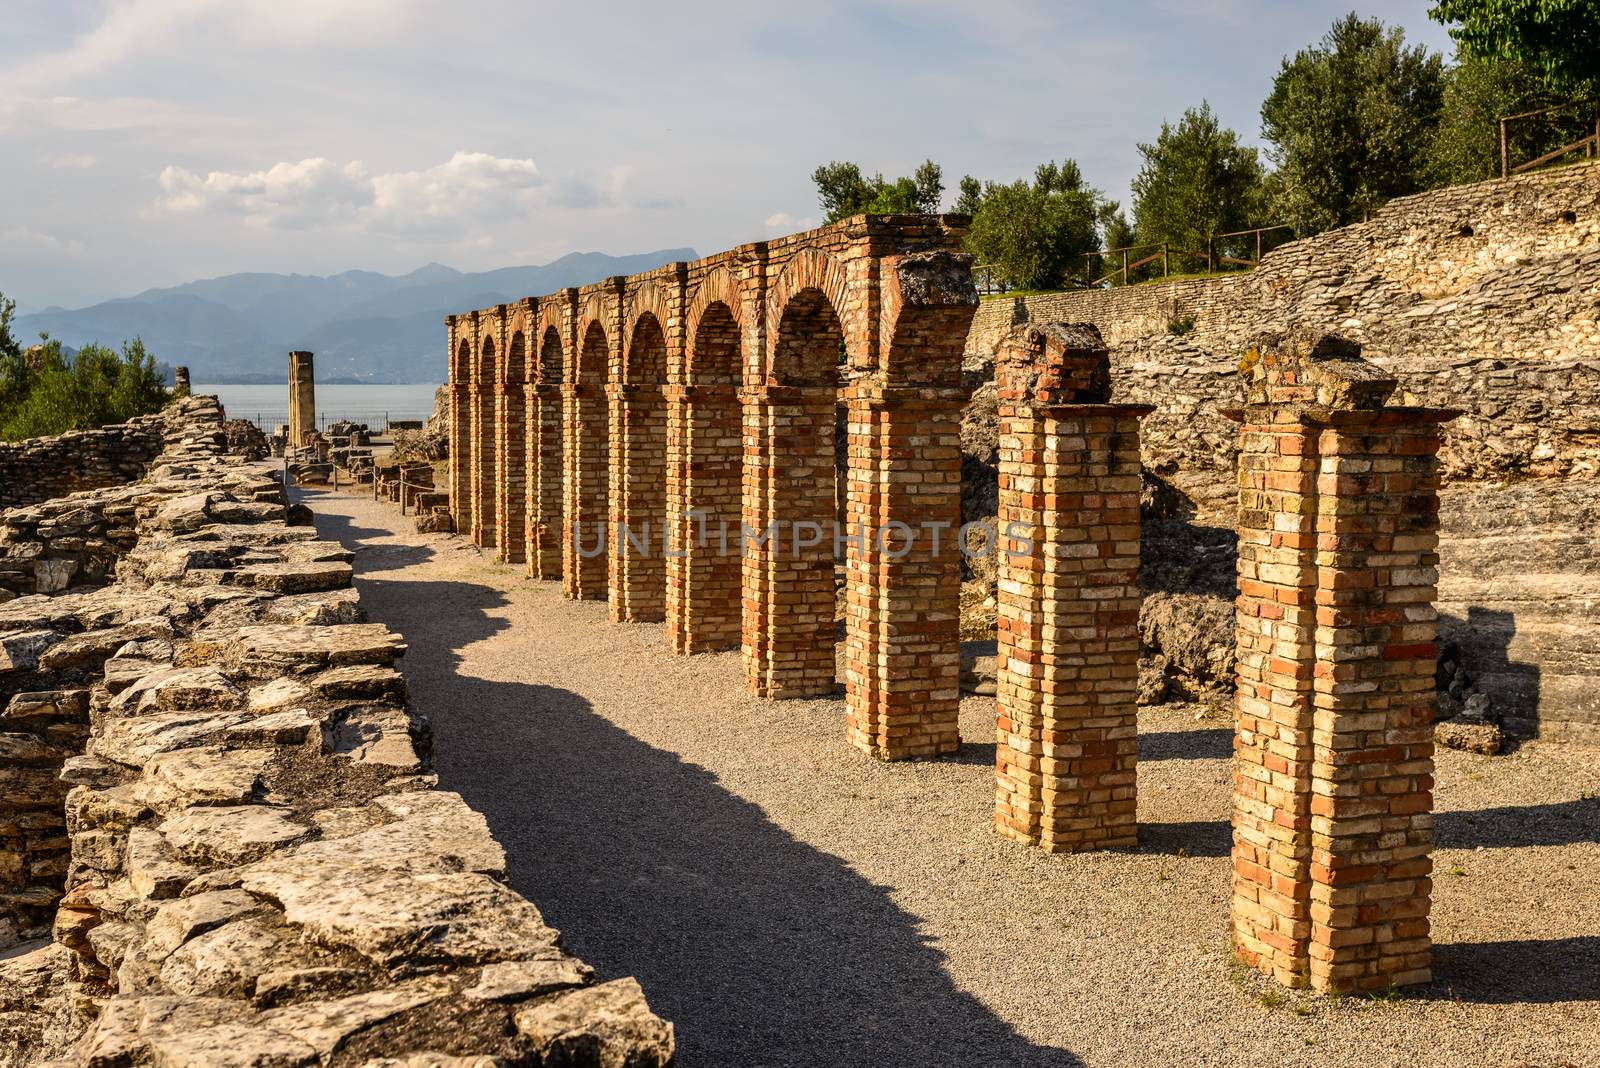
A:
[(1338, 566), (1066, 699), (692, 399)]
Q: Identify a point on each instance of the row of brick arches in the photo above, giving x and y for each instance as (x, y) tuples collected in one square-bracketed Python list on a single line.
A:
[(669, 442), (628, 438)]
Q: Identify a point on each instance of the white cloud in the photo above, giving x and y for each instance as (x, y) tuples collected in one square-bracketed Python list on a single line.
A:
[(24, 238), (287, 195), (783, 222), (455, 200)]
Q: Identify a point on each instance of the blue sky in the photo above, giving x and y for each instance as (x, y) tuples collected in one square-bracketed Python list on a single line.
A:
[(149, 142)]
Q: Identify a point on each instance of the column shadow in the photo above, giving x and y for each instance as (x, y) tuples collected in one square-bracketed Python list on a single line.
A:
[(760, 948), (1484, 640), (1555, 823), (1530, 971)]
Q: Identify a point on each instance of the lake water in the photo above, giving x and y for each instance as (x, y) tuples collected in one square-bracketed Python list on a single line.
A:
[(267, 406)]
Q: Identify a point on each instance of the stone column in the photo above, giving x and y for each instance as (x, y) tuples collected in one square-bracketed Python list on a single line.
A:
[(1067, 695), (180, 382), (545, 478), (703, 513), (511, 435), (637, 574), (1338, 536), (903, 571), (302, 398)]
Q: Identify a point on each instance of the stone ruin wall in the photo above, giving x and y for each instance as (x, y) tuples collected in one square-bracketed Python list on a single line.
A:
[(216, 799), (40, 469), (1482, 298)]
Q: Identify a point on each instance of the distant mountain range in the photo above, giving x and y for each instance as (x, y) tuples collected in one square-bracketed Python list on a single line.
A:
[(363, 326)]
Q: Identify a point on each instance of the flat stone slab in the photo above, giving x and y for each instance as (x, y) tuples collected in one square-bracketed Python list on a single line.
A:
[(277, 648)]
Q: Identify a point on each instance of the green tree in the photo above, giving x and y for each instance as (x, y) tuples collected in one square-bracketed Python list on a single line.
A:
[(1196, 181), (1034, 234), (1115, 232), (1349, 122), (51, 392), (969, 197), (1559, 38), (1477, 94), (844, 191)]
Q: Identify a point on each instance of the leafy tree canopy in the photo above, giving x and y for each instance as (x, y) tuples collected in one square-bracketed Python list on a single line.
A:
[(1034, 234), (1196, 181), (843, 191), (1477, 94), (1348, 121), (45, 391), (1558, 38)]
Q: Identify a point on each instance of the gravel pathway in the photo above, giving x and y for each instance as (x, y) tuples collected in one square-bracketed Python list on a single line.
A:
[(787, 901)]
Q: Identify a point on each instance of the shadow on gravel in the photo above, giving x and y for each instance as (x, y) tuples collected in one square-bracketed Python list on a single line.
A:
[(762, 950), (1202, 838), (374, 557), (1509, 973), (1557, 823)]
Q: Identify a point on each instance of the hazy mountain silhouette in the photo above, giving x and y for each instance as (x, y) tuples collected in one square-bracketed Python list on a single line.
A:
[(362, 325)]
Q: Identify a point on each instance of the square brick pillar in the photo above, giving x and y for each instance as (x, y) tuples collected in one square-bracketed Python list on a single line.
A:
[(638, 504), (903, 571), (461, 455), (704, 470), (789, 630), (585, 492), (545, 478), (1067, 696), (511, 438), (1333, 820), (482, 402)]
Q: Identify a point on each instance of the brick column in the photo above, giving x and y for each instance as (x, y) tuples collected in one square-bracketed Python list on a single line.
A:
[(903, 571), (789, 628), (482, 400), (1066, 704), (545, 478), (638, 504), (584, 496), (511, 435), (461, 456), (1333, 824), (704, 453)]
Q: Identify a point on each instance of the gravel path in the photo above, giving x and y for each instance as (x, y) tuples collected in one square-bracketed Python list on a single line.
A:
[(787, 901)]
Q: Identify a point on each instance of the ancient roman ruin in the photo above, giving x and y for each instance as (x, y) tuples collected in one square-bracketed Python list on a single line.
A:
[(1298, 486)]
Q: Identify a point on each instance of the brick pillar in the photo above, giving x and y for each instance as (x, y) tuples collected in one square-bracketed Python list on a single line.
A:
[(461, 455), (638, 504), (789, 598), (1066, 705), (545, 476), (703, 512), (903, 571), (1333, 824), (482, 400), (511, 436), (584, 496)]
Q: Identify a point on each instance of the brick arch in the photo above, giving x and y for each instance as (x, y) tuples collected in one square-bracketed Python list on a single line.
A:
[(645, 362), (592, 317), (486, 354), (715, 306), (461, 363), (594, 352), (552, 357), (806, 341), (516, 361), (814, 270), (926, 304), (649, 299), (549, 331)]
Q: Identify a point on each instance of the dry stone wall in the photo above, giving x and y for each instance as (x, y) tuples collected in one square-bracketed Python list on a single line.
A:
[(1482, 298), (217, 799), (39, 469)]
